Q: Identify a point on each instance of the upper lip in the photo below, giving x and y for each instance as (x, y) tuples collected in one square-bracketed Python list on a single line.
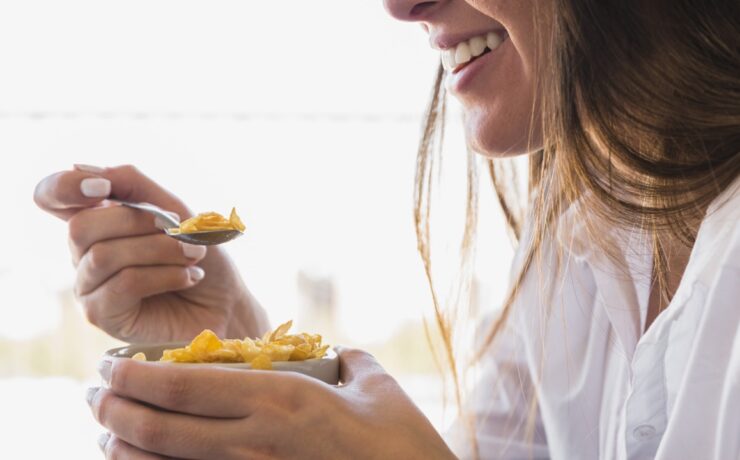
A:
[(444, 41)]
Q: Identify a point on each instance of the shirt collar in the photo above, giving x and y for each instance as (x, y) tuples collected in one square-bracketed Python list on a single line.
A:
[(623, 279)]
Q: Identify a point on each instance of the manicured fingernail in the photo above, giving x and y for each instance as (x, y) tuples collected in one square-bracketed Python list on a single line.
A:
[(91, 394), (193, 251), (162, 224), (95, 187), (196, 273), (103, 441), (104, 369), (89, 168)]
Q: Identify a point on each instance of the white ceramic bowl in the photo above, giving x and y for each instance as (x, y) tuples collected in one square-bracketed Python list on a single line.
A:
[(325, 369)]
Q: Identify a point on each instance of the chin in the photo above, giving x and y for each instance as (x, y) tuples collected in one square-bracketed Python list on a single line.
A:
[(500, 136)]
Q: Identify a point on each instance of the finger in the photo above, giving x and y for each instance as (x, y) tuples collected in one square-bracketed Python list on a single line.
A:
[(92, 225), (64, 193), (106, 258), (116, 448), (355, 365), (190, 388), (128, 183), (161, 432), (119, 297)]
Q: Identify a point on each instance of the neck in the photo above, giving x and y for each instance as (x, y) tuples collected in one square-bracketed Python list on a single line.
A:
[(667, 273)]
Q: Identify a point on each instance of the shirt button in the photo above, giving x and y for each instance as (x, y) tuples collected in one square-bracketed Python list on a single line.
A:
[(643, 432)]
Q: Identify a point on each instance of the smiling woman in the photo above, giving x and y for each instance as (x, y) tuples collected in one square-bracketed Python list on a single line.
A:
[(634, 138), (624, 284)]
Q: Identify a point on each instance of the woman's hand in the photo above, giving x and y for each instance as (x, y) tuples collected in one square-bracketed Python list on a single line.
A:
[(133, 281), (162, 410)]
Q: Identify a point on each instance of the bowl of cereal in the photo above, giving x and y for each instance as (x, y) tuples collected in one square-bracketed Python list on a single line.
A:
[(276, 350)]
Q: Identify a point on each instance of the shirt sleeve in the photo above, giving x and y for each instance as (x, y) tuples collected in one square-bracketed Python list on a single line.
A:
[(500, 413), (726, 293)]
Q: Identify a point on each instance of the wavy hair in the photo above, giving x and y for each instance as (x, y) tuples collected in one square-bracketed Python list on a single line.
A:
[(640, 108)]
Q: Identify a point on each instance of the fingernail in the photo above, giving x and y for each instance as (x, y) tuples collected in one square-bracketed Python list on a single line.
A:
[(196, 273), (103, 441), (91, 394), (104, 369), (95, 187), (193, 251), (162, 224), (89, 168)]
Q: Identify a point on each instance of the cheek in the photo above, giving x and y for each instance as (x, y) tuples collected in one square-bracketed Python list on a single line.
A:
[(501, 115)]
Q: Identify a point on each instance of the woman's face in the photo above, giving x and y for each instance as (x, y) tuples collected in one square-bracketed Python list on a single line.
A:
[(496, 89)]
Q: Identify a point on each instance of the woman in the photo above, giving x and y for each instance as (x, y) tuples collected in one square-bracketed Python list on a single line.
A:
[(620, 336)]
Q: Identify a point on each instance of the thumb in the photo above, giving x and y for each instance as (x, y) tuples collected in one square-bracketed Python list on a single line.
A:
[(355, 364), (130, 184)]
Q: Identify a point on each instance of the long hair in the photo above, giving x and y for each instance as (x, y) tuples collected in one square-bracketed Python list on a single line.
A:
[(640, 109)]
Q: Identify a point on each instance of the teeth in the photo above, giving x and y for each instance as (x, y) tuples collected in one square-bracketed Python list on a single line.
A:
[(448, 59), (467, 50), (462, 53), (493, 40), (477, 45)]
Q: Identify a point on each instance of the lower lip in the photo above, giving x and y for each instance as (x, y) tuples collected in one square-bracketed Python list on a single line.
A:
[(457, 82)]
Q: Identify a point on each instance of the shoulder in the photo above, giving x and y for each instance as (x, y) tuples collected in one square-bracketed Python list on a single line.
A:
[(718, 240), (712, 273)]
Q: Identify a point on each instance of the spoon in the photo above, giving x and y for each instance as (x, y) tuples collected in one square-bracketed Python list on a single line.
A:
[(204, 238)]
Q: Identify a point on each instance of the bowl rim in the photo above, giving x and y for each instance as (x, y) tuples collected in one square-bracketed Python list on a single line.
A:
[(330, 355)]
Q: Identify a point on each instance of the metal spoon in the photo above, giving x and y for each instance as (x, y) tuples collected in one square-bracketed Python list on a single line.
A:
[(205, 238)]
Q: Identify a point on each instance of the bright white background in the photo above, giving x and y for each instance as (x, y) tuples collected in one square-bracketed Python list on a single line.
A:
[(305, 115)]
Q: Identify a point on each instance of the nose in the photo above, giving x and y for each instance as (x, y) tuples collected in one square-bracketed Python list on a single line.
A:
[(409, 10)]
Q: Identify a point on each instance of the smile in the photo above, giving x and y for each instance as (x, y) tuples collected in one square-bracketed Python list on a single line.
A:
[(465, 52)]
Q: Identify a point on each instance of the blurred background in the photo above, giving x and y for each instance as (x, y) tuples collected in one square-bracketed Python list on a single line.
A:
[(303, 115)]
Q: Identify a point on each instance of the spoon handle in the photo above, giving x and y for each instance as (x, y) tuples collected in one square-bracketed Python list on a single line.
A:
[(151, 209)]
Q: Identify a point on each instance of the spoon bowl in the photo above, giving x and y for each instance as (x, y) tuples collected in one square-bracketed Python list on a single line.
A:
[(206, 238)]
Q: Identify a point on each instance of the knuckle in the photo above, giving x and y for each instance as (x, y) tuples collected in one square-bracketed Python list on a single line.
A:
[(90, 308), (147, 433), (99, 257), (378, 380), (357, 354), (90, 312), (311, 415), (266, 409), (77, 230), (101, 406), (129, 170), (176, 392), (296, 399), (119, 376), (114, 449)]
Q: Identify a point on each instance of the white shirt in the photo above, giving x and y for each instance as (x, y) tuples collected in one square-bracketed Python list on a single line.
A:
[(604, 389)]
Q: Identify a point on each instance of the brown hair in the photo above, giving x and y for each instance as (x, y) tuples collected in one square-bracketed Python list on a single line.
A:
[(640, 107)]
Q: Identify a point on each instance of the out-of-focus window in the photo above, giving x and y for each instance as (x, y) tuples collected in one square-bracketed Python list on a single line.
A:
[(304, 115)]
